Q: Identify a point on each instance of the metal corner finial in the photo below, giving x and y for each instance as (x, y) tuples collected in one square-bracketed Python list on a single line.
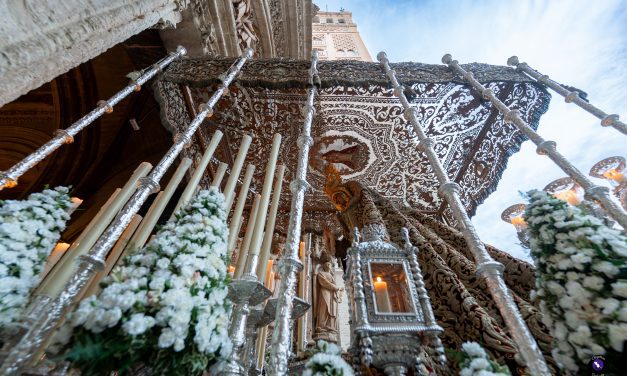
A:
[(513, 61), (314, 54), (248, 52), (382, 56), (373, 232), (181, 50), (405, 236), (447, 58), (355, 236)]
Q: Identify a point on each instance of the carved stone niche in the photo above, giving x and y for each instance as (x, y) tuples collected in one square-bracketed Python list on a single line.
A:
[(274, 28)]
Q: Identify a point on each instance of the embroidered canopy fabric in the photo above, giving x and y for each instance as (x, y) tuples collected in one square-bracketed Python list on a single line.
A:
[(359, 126)]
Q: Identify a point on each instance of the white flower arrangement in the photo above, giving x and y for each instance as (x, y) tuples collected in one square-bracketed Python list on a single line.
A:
[(581, 281), (164, 307), (29, 230), (474, 361), (327, 361)]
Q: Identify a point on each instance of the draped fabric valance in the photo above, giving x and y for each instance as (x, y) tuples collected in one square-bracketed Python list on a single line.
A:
[(287, 73)]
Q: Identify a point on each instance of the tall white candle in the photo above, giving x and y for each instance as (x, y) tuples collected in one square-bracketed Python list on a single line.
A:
[(271, 280), (217, 179), (244, 250), (114, 256), (190, 189), (236, 219), (267, 238), (49, 276), (301, 284), (158, 206), (261, 347), (88, 241), (267, 281), (302, 293), (229, 188), (54, 257), (260, 222), (382, 296)]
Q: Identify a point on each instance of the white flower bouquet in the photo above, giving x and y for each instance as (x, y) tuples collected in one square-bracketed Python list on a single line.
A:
[(165, 306), (327, 361), (29, 230), (474, 361), (581, 282)]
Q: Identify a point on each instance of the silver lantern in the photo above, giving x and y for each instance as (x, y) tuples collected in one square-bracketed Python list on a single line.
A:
[(392, 323)]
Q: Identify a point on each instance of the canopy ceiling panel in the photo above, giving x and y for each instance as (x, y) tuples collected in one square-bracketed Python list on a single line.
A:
[(359, 126)]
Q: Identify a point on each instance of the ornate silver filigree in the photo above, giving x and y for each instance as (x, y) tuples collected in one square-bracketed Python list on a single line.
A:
[(245, 293), (373, 232)]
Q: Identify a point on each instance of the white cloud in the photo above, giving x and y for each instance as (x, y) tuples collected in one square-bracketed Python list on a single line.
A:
[(578, 43)]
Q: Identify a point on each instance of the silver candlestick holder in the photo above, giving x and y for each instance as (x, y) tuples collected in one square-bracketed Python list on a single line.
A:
[(300, 307), (245, 293)]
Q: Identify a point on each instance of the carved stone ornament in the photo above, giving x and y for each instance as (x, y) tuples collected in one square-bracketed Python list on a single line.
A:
[(203, 22), (246, 35), (44, 39)]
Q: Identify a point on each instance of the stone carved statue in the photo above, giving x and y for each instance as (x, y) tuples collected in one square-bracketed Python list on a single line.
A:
[(326, 300), (246, 34)]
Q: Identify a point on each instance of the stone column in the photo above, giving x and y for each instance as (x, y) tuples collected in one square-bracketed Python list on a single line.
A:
[(43, 39)]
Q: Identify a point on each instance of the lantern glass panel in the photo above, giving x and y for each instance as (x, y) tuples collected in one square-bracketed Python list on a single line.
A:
[(390, 288)]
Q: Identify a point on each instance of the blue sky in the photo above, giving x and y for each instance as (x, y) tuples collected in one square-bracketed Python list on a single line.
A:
[(578, 43)]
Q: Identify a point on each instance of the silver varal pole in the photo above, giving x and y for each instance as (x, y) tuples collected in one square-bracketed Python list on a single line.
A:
[(548, 148), (9, 177), (34, 339), (489, 269), (290, 264), (570, 96)]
